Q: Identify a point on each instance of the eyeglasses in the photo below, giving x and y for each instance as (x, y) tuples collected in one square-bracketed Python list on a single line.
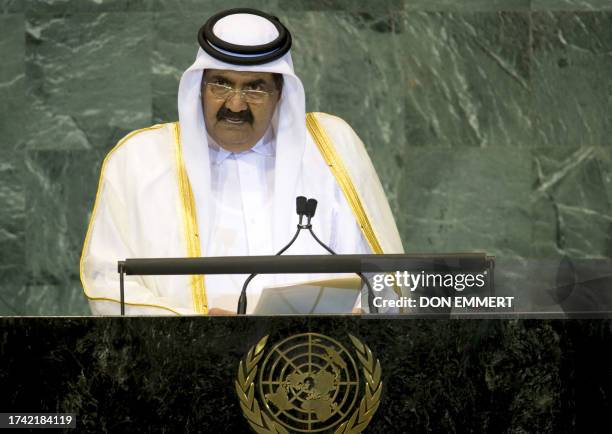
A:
[(223, 91)]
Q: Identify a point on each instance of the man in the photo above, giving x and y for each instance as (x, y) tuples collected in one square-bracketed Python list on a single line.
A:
[(223, 180)]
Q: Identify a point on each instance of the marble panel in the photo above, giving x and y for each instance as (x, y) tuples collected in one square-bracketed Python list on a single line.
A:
[(66, 299), (572, 202), (72, 6), (12, 87), (340, 5), (466, 79), (571, 70), (9, 295), (466, 199), (206, 8), (12, 226), (12, 194), (12, 6), (571, 5), (467, 5), (43, 300), (88, 77), (423, 5), (174, 50), (60, 188)]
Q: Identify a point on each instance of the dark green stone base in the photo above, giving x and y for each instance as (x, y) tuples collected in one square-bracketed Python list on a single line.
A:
[(177, 374)]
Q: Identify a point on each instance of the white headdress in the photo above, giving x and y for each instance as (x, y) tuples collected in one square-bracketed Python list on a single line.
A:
[(258, 44)]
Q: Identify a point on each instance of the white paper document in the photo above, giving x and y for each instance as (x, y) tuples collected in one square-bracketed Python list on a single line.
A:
[(337, 295)]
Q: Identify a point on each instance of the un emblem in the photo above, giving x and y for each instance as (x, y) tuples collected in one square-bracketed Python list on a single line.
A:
[(309, 383)]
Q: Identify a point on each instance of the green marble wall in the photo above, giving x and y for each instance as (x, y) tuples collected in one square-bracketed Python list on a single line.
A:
[(488, 120)]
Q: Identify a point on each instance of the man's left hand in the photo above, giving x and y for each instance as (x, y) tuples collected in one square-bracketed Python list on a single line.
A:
[(218, 311)]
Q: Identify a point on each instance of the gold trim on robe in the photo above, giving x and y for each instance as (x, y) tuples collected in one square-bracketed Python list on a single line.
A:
[(190, 224), (333, 160), (93, 213)]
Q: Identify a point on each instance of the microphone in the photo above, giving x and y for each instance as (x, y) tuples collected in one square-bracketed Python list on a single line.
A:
[(311, 207), (300, 206), (303, 208)]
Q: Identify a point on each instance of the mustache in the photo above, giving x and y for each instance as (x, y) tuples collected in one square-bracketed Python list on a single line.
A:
[(244, 115)]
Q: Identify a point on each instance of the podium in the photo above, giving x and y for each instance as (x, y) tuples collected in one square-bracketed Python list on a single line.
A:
[(314, 373), (179, 374), (357, 264)]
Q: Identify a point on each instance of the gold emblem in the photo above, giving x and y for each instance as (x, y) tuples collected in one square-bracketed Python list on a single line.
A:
[(308, 383)]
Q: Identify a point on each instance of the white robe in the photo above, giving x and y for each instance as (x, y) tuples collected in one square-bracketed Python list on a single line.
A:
[(146, 207)]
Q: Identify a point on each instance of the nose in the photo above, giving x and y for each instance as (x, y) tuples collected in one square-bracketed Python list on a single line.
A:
[(236, 103)]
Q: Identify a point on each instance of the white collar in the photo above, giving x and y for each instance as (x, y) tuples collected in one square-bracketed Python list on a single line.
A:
[(265, 147)]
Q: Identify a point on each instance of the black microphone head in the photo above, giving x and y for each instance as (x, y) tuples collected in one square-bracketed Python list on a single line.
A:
[(311, 207), (300, 205)]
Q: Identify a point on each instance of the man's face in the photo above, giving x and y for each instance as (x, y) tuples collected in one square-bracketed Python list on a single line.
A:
[(235, 123)]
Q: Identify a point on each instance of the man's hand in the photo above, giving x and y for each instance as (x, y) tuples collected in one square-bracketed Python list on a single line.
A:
[(219, 311), (358, 311)]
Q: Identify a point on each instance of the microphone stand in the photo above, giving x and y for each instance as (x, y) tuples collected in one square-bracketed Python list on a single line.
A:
[(300, 205), (304, 208), (242, 301), (364, 279)]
